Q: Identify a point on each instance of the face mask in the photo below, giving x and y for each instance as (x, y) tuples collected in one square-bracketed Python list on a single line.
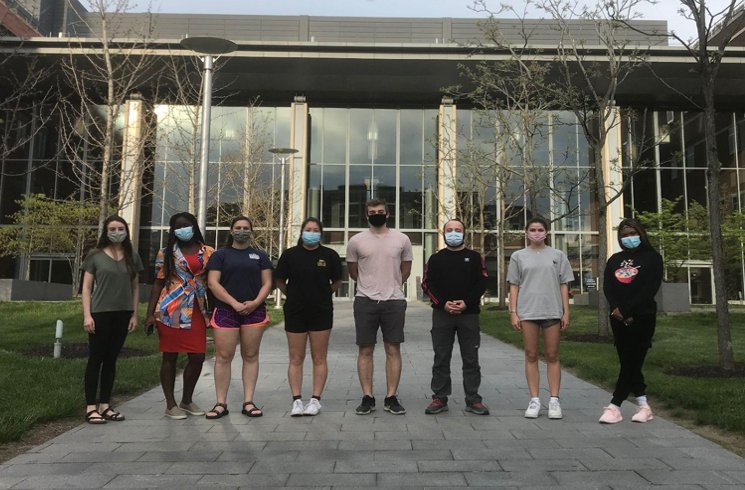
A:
[(537, 236), (241, 236), (377, 220), (454, 238), (311, 237), (631, 242), (117, 236), (184, 234)]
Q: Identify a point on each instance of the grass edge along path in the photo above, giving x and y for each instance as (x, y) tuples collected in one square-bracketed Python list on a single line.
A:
[(712, 407), (41, 390)]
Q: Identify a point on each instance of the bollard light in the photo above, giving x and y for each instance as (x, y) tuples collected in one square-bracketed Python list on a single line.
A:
[(58, 339)]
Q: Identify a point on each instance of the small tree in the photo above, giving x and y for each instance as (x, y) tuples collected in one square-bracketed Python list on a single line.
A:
[(584, 86), (110, 65), (47, 226)]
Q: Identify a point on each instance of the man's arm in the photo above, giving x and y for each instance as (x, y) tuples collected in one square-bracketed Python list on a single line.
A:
[(353, 271), (405, 270)]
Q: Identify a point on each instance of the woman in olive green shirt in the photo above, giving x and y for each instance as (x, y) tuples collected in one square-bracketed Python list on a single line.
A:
[(110, 291)]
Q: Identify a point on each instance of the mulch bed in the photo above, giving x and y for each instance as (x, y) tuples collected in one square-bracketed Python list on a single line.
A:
[(78, 351), (707, 372)]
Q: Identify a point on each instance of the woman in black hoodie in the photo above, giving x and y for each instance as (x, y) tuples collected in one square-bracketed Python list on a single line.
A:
[(632, 278)]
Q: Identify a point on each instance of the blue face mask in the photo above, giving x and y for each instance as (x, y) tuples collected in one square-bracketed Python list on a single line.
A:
[(311, 237), (454, 238), (631, 242), (184, 234)]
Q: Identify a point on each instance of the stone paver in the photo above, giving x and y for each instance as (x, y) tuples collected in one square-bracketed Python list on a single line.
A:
[(339, 449)]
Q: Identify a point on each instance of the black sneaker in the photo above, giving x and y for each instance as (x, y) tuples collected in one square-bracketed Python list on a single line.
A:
[(367, 405), (391, 405)]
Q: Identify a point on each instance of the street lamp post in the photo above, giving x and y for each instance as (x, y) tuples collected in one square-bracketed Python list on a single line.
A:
[(208, 47), (283, 154)]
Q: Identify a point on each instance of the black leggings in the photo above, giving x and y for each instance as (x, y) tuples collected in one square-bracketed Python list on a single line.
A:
[(103, 349), (632, 343)]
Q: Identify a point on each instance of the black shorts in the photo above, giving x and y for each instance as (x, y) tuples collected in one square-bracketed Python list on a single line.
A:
[(309, 320), (370, 314)]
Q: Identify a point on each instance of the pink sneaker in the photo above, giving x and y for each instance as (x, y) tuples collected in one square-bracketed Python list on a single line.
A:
[(611, 415), (643, 414)]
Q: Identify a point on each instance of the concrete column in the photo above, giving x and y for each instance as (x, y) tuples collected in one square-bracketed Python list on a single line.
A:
[(297, 169), (133, 163), (614, 178), (446, 165)]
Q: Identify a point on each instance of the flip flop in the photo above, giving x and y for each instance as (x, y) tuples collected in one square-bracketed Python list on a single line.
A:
[(95, 418), (113, 415), (251, 412), (220, 413)]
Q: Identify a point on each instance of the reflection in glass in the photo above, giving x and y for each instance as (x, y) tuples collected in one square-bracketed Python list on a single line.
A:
[(332, 196)]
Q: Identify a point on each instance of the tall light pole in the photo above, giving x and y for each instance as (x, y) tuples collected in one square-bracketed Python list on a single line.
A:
[(208, 47), (283, 154)]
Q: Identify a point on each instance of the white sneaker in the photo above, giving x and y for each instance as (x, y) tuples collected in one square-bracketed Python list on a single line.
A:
[(533, 408), (297, 408), (313, 407), (554, 409)]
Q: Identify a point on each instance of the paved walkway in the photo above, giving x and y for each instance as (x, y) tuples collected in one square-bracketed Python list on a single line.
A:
[(338, 449)]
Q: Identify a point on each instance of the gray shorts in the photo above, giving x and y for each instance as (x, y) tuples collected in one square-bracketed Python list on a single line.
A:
[(545, 322), (370, 314)]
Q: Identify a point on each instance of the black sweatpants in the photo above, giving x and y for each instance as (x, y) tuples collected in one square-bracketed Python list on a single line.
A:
[(103, 349), (632, 343), (444, 328)]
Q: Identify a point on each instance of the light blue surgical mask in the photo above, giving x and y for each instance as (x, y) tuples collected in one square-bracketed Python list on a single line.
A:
[(454, 238), (311, 237), (631, 242), (184, 234)]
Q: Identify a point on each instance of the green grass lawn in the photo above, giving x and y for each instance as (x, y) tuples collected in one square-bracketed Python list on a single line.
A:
[(38, 388), (681, 341)]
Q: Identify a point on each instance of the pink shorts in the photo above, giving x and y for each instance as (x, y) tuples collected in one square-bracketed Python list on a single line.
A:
[(229, 318)]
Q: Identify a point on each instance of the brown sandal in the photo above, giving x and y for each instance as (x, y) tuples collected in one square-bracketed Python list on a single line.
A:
[(219, 414), (95, 418), (253, 411), (113, 415)]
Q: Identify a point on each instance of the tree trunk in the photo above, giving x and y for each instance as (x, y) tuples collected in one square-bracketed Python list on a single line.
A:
[(713, 167), (501, 278), (603, 323)]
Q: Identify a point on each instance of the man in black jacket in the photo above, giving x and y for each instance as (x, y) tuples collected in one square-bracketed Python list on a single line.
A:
[(455, 279)]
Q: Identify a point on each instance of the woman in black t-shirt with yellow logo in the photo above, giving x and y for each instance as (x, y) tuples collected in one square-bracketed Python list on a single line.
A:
[(308, 274)]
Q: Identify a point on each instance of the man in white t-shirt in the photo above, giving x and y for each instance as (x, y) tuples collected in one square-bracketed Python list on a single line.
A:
[(379, 259)]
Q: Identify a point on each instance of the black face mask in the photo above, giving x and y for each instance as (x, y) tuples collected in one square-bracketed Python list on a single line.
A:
[(377, 220)]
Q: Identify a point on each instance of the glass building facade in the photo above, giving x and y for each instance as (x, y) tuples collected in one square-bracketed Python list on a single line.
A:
[(356, 153)]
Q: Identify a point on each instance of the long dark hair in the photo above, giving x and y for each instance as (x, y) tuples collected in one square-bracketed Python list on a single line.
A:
[(229, 241), (309, 219), (168, 264), (636, 225), (543, 222), (103, 242)]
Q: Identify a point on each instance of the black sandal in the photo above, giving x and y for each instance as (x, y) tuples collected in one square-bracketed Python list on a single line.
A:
[(95, 418), (219, 414), (113, 415), (252, 412)]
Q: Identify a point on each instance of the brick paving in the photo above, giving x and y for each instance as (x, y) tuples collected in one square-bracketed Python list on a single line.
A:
[(339, 449)]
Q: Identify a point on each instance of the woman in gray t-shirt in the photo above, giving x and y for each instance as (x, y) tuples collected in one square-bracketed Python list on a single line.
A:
[(110, 291), (539, 278)]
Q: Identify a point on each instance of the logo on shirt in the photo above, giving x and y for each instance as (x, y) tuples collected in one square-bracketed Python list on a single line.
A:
[(467, 259), (321, 263), (254, 256), (627, 272)]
